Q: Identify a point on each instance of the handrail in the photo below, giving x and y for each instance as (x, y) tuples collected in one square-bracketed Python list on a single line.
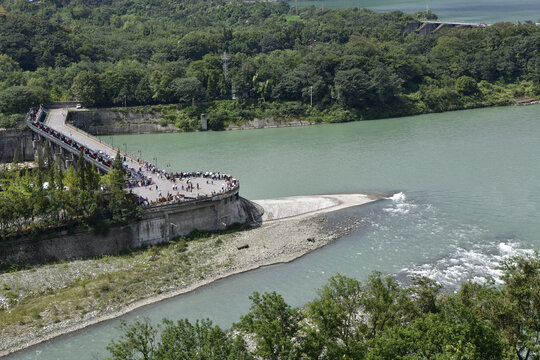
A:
[(36, 116)]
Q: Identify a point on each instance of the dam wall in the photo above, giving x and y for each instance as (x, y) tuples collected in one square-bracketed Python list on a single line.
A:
[(115, 122), (160, 224), (11, 139)]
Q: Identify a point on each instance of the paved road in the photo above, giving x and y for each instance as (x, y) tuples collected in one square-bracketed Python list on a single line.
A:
[(160, 186)]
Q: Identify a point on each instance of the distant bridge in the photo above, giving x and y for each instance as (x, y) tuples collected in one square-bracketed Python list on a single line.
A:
[(430, 27)]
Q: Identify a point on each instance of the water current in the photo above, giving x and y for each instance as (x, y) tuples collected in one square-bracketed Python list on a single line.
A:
[(466, 193), (488, 11)]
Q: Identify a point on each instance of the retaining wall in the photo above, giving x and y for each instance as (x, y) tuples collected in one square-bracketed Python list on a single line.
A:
[(159, 225), (11, 139), (112, 122)]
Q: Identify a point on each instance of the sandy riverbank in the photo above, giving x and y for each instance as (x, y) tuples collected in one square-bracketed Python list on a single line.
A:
[(292, 227)]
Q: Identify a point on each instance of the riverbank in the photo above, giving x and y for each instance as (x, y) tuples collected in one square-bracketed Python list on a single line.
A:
[(163, 118), (48, 301)]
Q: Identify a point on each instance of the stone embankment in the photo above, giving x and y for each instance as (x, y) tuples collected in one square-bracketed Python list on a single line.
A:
[(114, 122), (294, 227), (160, 224), (16, 139)]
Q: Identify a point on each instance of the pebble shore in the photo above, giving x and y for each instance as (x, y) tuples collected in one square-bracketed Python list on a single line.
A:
[(298, 227)]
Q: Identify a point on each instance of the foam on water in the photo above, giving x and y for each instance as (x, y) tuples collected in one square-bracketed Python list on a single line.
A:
[(477, 264), (467, 251), (399, 204)]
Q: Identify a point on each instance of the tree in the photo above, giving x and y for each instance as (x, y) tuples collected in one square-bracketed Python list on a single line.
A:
[(275, 325), (180, 341), (385, 303), (92, 177), (47, 155), (385, 84), (7, 64), (138, 341), (514, 307), (86, 87), (337, 332), (466, 85), (199, 341), (115, 177), (186, 90), (352, 87), (81, 172), (456, 333), (17, 99)]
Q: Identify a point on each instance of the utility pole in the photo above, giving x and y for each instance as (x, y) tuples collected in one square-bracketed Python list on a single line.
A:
[(311, 98), (225, 58), (296, 2)]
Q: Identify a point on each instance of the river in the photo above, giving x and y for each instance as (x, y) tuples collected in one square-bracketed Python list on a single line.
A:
[(466, 195), (488, 11)]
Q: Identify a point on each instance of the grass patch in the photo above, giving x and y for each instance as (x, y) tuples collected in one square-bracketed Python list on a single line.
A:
[(109, 282)]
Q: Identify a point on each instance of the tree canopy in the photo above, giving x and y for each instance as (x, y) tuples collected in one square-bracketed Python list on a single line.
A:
[(355, 61), (378, 320)]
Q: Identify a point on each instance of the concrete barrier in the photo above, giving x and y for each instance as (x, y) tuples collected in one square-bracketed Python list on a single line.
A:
[(160, 224)]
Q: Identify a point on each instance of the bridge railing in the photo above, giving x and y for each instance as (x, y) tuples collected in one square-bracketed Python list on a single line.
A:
[(36, 117), (220, 196)]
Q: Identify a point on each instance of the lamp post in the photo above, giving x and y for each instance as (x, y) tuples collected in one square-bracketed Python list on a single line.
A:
[(155, 161)]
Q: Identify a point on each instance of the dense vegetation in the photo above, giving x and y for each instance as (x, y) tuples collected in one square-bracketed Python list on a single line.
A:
[(36, 200), (353, 63), (376, 321)]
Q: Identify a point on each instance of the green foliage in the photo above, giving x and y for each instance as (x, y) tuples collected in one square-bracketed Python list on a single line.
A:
[(17, 99), (377, 321), (180, 341), (466, 85), (48, 198), (274, 324), (336, 332), (124, 53), (187, 90)]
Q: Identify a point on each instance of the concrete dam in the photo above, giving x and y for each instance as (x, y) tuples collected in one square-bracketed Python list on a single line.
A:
[(174, 203)]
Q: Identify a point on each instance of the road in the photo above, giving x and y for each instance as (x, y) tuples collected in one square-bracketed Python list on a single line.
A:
[(160, 186)]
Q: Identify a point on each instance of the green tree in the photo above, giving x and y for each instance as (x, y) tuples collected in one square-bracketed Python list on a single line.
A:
[(514, 307), (337, 332), (199, 341), (92, 177), (466, 85), (17, 99), (81, 172), (138, 341), (86, 87), (115, 177), (352, 87), (187, 90), (274, 324)]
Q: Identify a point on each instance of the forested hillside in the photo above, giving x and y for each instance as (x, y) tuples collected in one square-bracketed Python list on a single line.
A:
[(352, 63)]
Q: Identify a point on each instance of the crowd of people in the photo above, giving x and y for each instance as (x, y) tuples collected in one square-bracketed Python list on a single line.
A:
[(179, 186)]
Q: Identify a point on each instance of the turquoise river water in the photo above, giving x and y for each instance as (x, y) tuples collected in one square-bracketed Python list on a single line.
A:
[(488, 11), (466, 194)]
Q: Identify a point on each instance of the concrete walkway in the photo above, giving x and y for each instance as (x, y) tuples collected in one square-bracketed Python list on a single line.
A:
[(160, 186)]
